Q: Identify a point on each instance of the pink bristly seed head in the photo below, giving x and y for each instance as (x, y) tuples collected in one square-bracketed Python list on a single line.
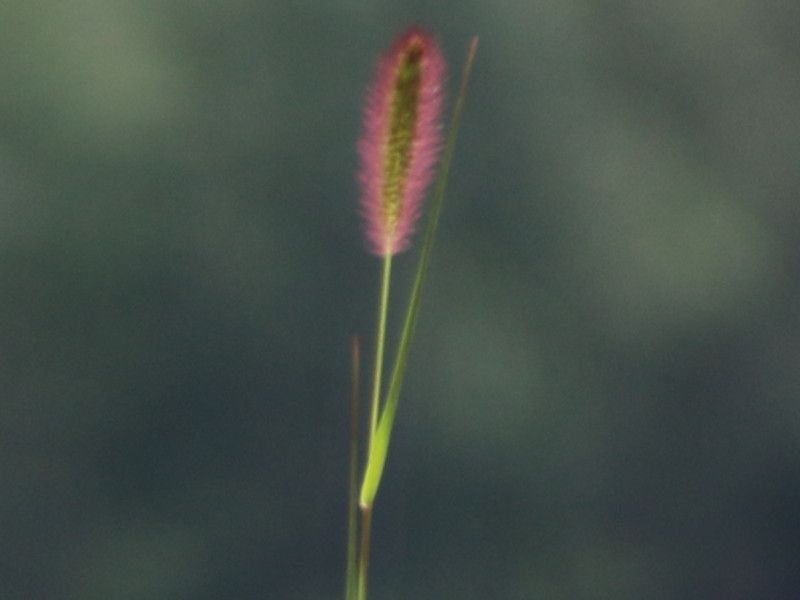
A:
[(401, 140)]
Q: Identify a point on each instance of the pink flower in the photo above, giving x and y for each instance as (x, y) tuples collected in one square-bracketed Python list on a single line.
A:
[(401, 140)]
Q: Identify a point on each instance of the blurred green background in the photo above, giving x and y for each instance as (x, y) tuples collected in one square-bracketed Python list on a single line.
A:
[(603, 398)]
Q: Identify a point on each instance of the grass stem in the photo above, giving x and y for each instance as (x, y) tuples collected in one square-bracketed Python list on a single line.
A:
[(380, 345), (363, 562), (352, 501)]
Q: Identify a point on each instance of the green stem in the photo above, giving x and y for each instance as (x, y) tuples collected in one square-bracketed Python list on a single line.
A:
[(380, 345), (374, 411)]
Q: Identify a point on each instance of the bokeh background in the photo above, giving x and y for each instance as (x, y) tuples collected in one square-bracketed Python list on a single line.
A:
[(602, 400)]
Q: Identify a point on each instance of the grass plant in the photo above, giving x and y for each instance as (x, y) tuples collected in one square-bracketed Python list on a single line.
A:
[(399, 150)]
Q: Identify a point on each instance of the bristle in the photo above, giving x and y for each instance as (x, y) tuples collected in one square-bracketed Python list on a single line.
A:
[(401, 140)]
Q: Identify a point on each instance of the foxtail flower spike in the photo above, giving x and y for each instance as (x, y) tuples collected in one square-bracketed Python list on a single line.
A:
[(401, 140)]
